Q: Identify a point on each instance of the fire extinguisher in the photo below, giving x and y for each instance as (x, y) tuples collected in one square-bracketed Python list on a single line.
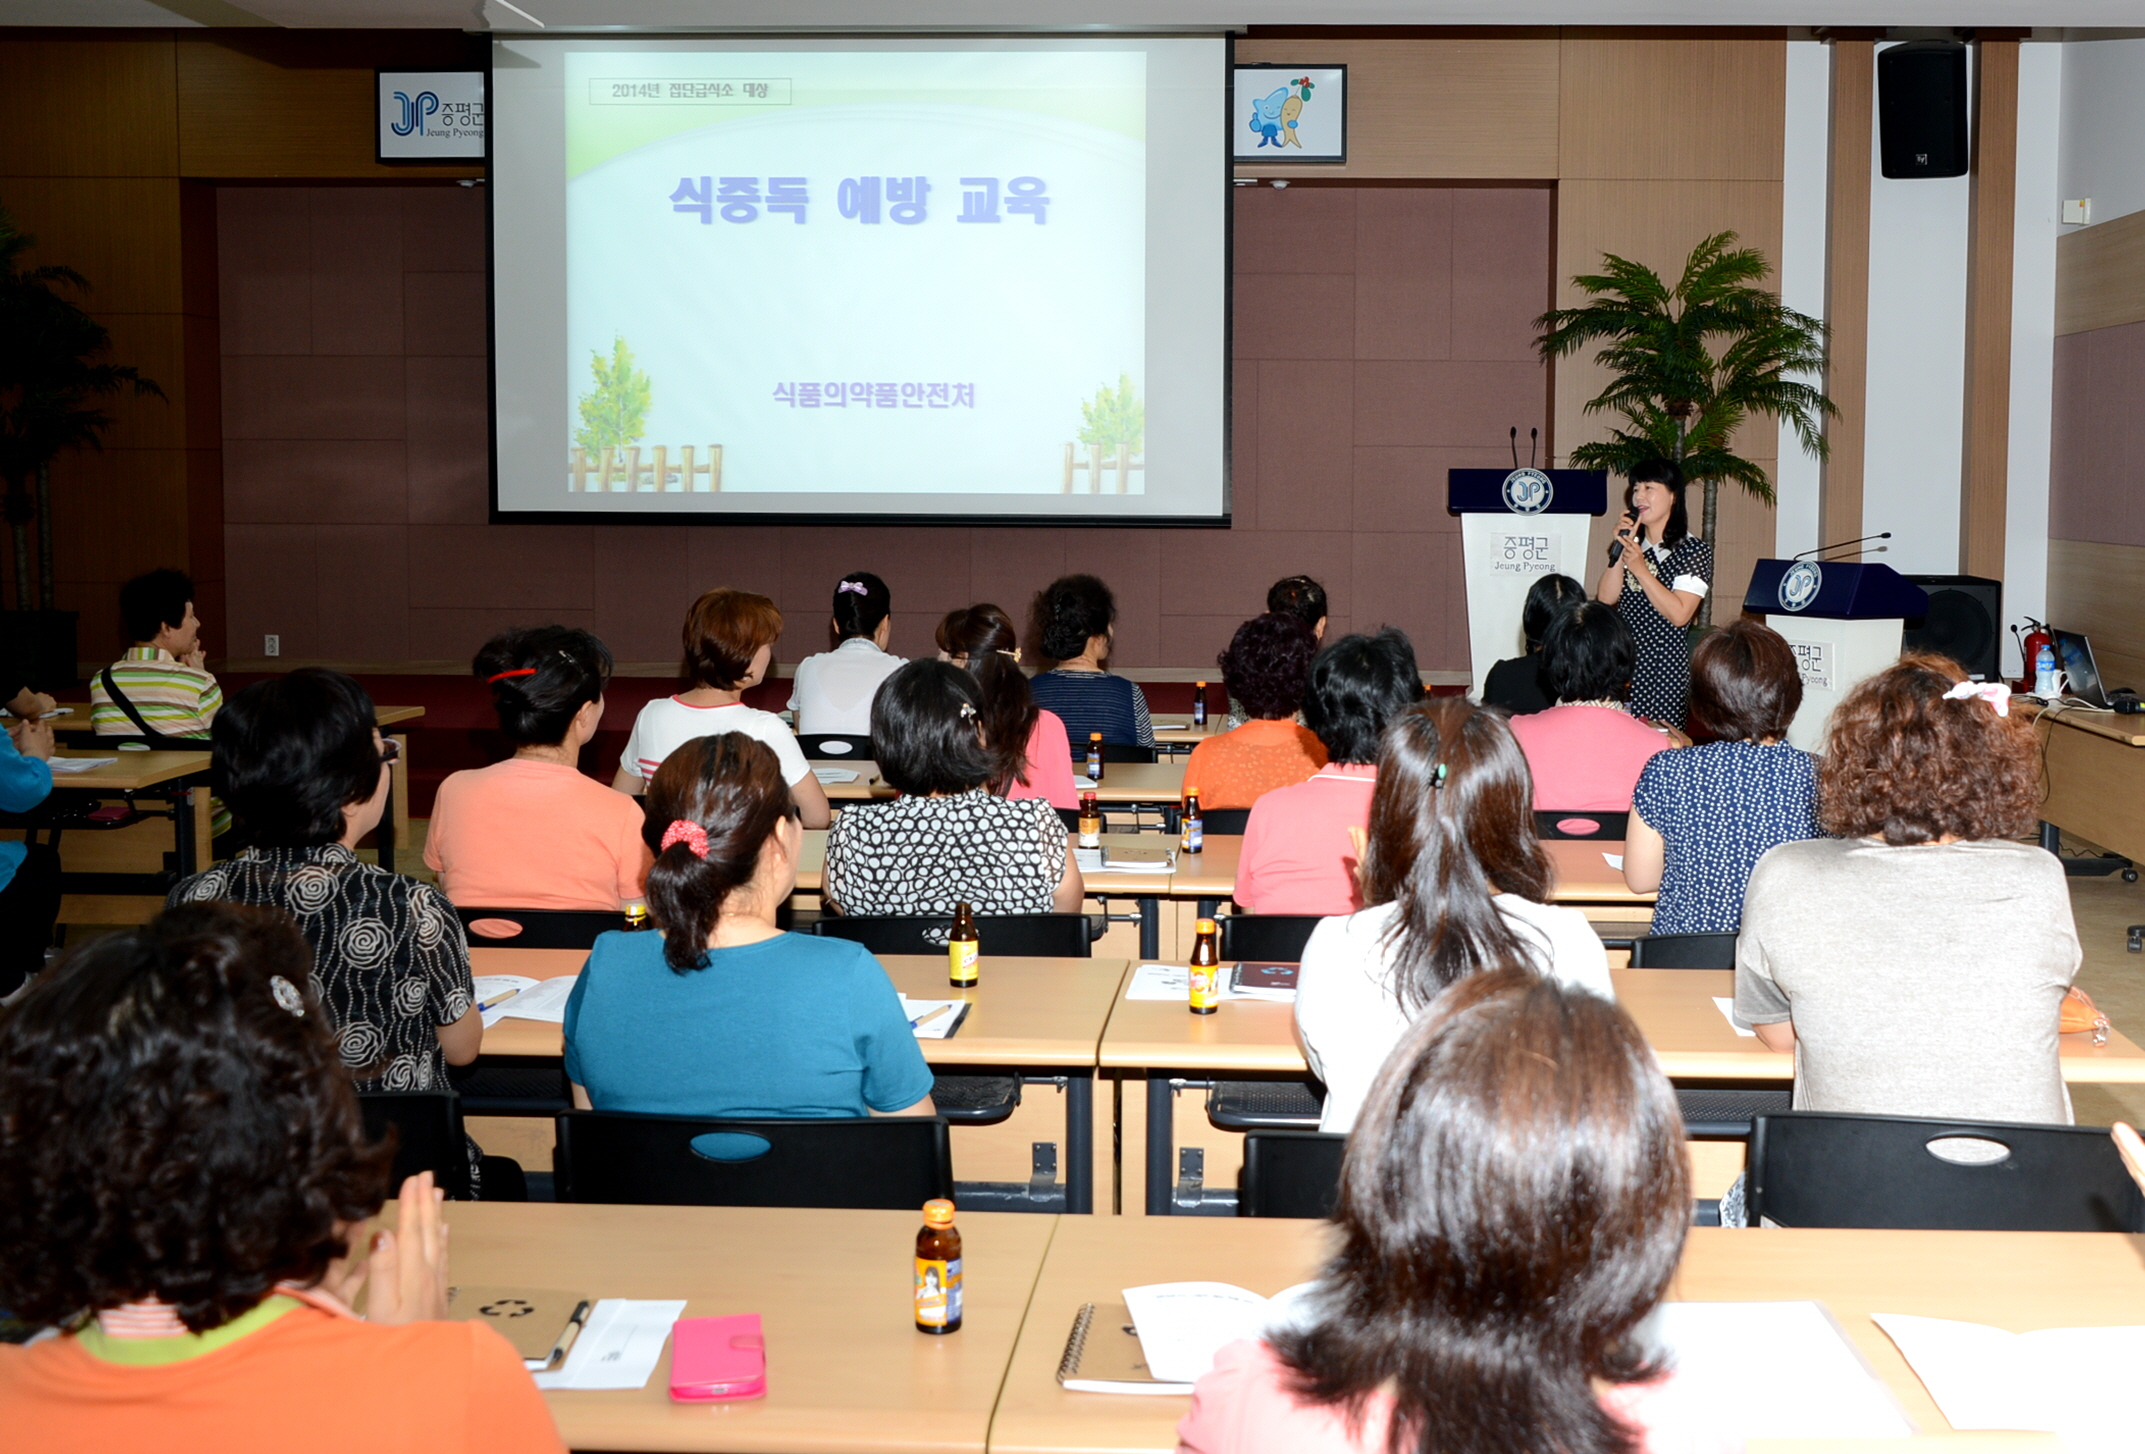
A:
[(2029, 650)]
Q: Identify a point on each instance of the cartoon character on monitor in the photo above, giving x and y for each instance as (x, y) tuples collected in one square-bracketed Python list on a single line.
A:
[(1274, 117)]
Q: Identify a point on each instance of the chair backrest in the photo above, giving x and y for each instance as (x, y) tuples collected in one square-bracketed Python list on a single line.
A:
[(1683, 951), (1278, 937), (1112, 752), (428, 1136), (896, 1162), (834, 745), (538, 928), (1585, 823), (1047, 936), (1290, 1174), (1224, 822), (1829, 1169)]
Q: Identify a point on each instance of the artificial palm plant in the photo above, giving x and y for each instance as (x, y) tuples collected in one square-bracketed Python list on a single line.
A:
[(1690, 364), (51, 390)]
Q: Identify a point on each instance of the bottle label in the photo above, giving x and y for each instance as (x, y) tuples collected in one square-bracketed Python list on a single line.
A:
[(938, 1292), (1199, 712), (1094, 767), (1195, 835), (1091, 832), (1206, 986), (961, 956)]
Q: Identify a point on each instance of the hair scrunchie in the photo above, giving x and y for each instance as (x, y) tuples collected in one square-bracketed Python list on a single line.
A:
[(689, 833)]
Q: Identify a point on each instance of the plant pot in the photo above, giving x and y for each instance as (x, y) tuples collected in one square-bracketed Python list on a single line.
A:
[(42, 643)]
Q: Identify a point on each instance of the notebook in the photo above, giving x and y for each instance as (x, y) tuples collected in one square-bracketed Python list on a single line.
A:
[(542, 1323), (1103, 1355), (1264, 980), (1163, 1337)]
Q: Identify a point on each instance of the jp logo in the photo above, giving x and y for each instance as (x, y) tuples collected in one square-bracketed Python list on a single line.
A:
[(1798, 588), (414, 111), (1528, 492)]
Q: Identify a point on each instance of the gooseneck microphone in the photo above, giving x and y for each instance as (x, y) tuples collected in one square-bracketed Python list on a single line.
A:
[(1845, 545)]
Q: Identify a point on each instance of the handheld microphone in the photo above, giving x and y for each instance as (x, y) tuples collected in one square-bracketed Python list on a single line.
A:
[(1843, 545)]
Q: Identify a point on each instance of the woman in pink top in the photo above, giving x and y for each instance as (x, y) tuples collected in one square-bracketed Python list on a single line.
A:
[(1297, 856), (532, 832), (1513, 1203), (1030, 755), (1587, 751)]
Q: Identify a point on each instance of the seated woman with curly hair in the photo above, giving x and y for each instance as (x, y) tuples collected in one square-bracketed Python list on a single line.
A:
[(1916, 963), (183, 1172), (1265, 668)]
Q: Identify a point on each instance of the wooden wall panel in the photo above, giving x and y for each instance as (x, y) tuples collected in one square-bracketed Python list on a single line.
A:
[(1454, 109), (2093, 587), (1672, 107), (122, 233), (73, 106), (2100, 275), (1992, 207), (1839, 490)]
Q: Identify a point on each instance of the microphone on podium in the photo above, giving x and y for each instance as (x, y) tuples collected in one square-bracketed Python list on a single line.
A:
[(1846, 545)]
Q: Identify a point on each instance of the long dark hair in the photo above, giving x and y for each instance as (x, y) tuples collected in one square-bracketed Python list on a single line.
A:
[(731, 786), (1451, 823), (1660, 472), (984, 636), (1512, 1204), (859, 612)]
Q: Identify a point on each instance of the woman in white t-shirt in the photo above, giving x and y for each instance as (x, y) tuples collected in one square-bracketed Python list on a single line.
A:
[(729, 641), (832, 691), (1454, 880)]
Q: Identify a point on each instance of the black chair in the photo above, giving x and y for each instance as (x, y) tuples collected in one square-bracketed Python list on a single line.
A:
[(1111, 752), (1276, 937), (1609, 827), (1829, 1169), (1071, 818), (1290, 1174), (1045, 936), (834, 745), (428, 1136), (893, 1163), (1224, 822), (537, 928), (1683, 951)]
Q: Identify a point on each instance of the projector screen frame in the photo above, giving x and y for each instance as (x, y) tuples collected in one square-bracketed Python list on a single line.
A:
[(1223, 143)]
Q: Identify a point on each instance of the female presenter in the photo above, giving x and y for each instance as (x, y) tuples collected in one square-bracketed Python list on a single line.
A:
[(1658, 574)]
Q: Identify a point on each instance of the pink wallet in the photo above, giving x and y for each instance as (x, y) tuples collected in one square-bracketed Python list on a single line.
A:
[(717, 1358)]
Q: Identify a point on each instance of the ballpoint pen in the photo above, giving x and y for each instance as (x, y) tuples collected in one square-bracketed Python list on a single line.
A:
[(927, 1016)]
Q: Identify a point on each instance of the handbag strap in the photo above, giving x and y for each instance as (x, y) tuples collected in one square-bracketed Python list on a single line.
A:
[(119, 700)]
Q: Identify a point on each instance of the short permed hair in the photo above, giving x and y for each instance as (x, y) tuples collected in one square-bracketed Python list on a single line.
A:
[(1589, 654), (1905, 764), (1745, 684), (292, 752), (171, 1127), (724, 631), (1069, 611), (149, 603), (1268, 664), (1358, 684)]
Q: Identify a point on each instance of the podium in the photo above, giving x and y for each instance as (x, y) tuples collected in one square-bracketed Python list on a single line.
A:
[(1515, 527), (1842, 619)]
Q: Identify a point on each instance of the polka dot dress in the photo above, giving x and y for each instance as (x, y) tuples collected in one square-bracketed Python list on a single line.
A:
[(925, 855), (1719, 808), (1661, 689)]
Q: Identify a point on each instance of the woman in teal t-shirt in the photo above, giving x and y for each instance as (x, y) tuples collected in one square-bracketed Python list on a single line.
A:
[(723, 1014)]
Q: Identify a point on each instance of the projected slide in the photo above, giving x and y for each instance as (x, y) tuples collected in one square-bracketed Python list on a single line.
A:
[(881, 280)]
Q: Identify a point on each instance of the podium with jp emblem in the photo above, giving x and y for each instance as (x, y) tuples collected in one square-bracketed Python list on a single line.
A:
[(1842, 619), (1516, 526)]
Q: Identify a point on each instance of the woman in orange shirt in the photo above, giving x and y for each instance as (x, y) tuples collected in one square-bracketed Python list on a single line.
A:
[(1265, 668), (183, 1170)]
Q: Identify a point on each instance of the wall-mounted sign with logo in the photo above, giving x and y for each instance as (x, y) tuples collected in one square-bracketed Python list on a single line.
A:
[(430, 116)]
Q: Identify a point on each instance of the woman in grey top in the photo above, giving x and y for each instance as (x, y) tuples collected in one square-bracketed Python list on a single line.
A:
[(1917, 962)]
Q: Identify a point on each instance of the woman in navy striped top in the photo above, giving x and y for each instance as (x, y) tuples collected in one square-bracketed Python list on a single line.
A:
[(1074, 617)]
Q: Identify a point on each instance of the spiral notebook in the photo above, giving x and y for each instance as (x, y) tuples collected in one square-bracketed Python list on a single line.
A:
[(1103, 1355)]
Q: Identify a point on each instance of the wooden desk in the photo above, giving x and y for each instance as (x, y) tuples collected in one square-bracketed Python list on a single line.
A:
[(2093, 778), (116, 876), (2015, 1280), (1039, 1017), (866, 787), (846, 1368)]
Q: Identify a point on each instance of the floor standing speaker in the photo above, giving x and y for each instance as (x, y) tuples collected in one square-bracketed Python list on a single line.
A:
[(1921, 109), (1965, 623)]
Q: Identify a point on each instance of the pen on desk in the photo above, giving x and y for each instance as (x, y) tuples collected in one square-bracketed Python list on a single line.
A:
[(929, 1015), (498, 999), (574, 1325)]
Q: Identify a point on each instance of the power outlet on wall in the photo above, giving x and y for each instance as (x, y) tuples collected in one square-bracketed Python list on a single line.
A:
[(271, 646)]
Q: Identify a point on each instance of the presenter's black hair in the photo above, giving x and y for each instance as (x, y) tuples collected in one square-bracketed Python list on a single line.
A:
[(1357, 685), (149, 603), (858, 613), (926, 730), (293, 752), (1069, 611), (1548, 598), (1662, 472), (1298, 596), (1589, 655), (565, 667)]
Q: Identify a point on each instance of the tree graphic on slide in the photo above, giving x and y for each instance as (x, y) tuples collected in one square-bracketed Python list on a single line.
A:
[(1115, 417), (614, 414)]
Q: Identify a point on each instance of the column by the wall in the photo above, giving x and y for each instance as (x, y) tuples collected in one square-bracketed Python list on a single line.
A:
[(1839, 510), (1992, 204)]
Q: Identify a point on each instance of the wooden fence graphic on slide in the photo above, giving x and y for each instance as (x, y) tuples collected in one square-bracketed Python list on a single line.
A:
[(1096, 464), (651, 470)]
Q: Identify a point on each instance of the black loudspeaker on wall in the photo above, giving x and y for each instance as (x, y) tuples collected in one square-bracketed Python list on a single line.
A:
[(1921, 109), (1965, 623)]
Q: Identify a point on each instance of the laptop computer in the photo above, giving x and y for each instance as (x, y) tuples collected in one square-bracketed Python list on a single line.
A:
[(2081, 675)]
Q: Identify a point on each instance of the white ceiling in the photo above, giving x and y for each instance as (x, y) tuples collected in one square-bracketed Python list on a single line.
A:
[(1063, 14)]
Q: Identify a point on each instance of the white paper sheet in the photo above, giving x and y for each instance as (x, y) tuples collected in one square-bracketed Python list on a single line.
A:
[(1182, 1325), (1774, 1371), (1090, 861), (492, 986), (1614, 860), (546, 1001), (944, 1017), (620, 1347), (836, 774), (65, 766), (2065, 1380), (1726, 1005)]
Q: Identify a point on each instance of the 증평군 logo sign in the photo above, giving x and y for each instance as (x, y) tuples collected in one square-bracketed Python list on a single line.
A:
[(1798, 588)]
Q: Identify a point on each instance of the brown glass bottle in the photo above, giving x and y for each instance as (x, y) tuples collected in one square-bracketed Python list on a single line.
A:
[(1199, 704), (1206, 969), (963, 947), (938, 1270), (1090, 822), (1194, 838), (1094, 757), (637, 918)]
